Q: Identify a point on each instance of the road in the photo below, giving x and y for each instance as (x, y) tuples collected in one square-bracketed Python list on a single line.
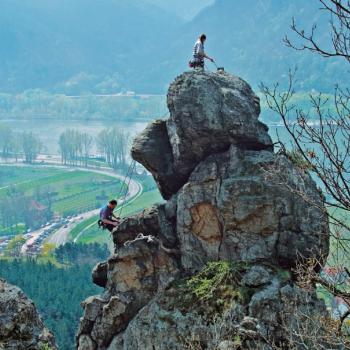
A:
[(135, 190), (61, 235), (35, 235)]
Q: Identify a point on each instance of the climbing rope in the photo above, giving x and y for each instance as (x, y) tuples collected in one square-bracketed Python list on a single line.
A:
[(140, 237), (125, 177), (129, 174), (150, 239), (218, 69)]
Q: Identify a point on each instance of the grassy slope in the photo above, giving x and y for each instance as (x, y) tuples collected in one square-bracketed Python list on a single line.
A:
[(76, 190), (10, 175)]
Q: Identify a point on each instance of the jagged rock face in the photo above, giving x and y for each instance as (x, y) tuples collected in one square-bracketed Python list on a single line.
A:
[(152, 148), (20, 324), (230, 199), (134, 275), (208, 113), (159, 221), (268, 310), (245, 205)]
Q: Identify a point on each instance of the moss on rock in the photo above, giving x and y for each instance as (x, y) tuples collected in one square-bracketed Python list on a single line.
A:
[(211, 291)]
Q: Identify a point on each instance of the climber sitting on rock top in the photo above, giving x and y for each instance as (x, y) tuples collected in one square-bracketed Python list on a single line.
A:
[(107, 218), (199, 54)]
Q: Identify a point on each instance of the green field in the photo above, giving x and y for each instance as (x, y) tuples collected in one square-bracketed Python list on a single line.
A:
[(11, 175), (65, 191), (74, 191), (82, 226), (87, 194)]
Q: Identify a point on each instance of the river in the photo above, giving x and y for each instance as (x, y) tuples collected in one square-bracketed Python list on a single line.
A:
[(49, 130)]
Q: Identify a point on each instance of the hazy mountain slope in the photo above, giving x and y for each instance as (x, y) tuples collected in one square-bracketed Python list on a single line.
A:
[(108, 45), (183, 8), (246, 38), (47, 42)]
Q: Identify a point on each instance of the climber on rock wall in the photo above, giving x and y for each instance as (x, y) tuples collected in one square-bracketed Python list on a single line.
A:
[(107, 218)]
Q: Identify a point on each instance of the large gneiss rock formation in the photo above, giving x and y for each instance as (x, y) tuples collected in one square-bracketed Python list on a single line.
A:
[(238, 218), (208, 113), (21, 327)]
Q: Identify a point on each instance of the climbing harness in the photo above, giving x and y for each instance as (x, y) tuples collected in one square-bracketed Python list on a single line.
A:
[(101, 225), (194, 64)]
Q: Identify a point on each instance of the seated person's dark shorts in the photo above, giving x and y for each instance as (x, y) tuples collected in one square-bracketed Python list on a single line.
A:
[(110, 227)]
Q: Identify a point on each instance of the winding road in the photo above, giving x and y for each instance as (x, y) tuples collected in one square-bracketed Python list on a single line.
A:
[(61, 235), (135, 190)]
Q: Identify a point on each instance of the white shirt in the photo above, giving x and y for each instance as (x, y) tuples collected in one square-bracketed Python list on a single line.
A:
[(198, 51)]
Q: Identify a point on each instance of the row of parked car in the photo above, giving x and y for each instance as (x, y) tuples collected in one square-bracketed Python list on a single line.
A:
[(52, 224), (47, 229), (36, 246), (4, 242)]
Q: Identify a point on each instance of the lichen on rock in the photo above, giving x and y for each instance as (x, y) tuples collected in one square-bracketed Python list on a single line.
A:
[(237, 219), (217, 307), (208, 113), (21, 327)]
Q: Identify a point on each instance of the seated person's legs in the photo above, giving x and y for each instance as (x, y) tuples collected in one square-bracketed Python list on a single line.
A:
[(111, 227), (198, 64)]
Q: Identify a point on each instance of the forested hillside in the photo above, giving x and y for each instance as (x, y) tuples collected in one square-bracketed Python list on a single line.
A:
[(87, 43), (51, 287), (80, 46), (246, 37), (183, 8)]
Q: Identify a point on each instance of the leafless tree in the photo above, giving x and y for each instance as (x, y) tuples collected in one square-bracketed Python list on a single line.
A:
[(339, 11), (75, 147), (114, 144), (6, 138), (87, 143), (320, 139), (31, 146)]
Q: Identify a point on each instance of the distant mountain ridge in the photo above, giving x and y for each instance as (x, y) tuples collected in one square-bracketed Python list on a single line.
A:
[(182, 8), (246, 37), (47, 43), (77, 46)]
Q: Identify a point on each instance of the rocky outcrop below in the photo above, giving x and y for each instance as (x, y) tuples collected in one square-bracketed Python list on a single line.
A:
[(21, 327), (211, 268), (246, 307)]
